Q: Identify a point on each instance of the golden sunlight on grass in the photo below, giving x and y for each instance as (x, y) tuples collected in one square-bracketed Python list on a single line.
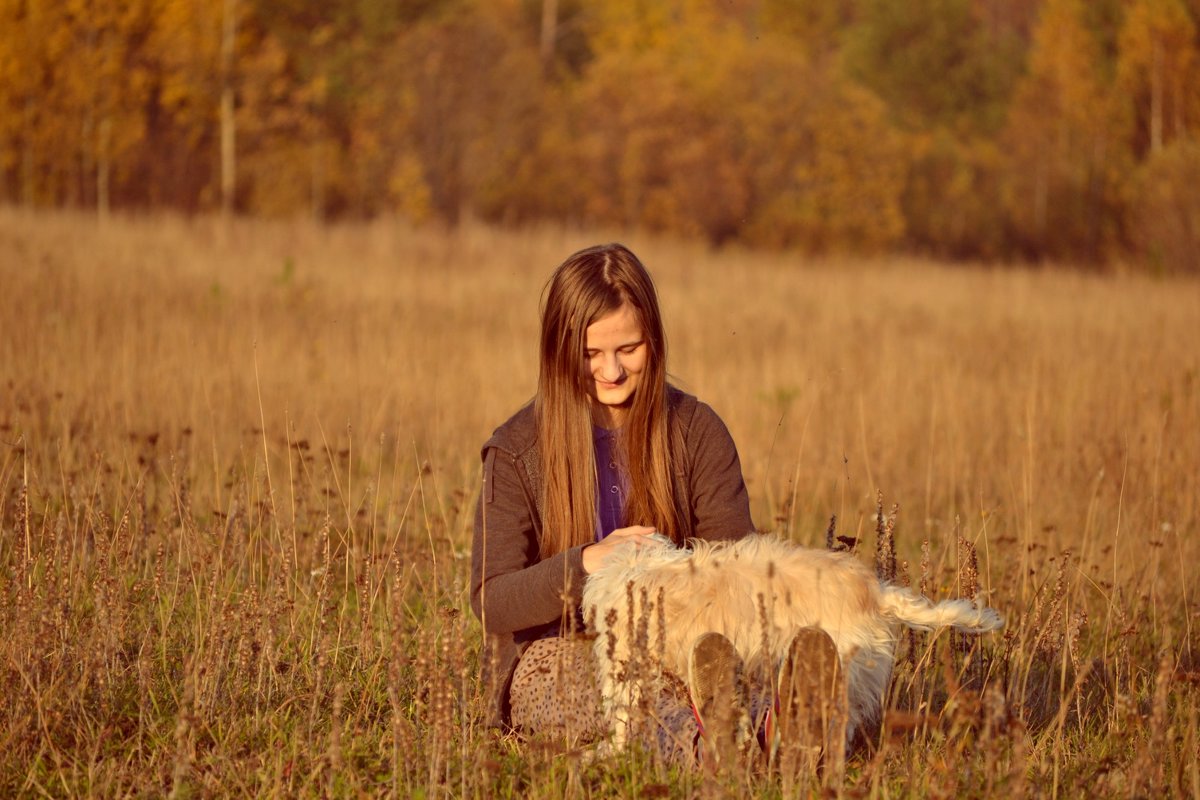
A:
[(238, 464)]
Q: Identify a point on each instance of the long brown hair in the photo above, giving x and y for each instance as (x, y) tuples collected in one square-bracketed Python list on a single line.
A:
[(587, 286)]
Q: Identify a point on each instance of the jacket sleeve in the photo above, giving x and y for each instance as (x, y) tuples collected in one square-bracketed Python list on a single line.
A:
[(720, 502), (510, 589)]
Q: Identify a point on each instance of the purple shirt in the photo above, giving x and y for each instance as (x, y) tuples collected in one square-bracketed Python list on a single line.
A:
[(612, 484)]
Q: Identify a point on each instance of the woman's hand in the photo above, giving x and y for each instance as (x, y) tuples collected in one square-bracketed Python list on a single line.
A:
[(594, 555)]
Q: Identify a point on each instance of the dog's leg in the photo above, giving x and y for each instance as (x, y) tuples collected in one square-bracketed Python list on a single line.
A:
[(869, 670)]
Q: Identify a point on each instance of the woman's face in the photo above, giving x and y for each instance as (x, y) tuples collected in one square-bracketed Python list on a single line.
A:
[(616, 357)]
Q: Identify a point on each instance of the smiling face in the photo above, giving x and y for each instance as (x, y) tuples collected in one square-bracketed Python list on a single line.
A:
[(615, 358)]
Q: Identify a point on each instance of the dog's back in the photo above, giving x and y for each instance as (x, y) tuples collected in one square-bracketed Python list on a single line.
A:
[(758, 592)]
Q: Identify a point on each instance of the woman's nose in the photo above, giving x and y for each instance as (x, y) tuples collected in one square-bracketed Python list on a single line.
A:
[(610, 369)]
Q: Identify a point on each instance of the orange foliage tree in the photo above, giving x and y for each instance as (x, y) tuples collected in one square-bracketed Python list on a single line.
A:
[(1064, 166), (72, 84), (1158, 70), (964, 128)]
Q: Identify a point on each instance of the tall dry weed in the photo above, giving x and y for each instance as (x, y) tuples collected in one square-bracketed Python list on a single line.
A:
[(235, 504)]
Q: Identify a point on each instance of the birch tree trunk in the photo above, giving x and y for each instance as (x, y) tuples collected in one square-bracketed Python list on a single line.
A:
[(103, 140), (549, 30), (318, 181), (27, 130), (1156, 97), (228, 124)]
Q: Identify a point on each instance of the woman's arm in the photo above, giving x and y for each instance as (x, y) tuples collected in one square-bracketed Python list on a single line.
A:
[(510, 589), (720, 502)]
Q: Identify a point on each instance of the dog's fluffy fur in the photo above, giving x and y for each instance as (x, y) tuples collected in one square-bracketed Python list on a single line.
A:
[(679, 594)]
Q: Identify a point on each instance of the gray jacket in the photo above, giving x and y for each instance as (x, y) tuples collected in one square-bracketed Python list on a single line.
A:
[(521, 597)]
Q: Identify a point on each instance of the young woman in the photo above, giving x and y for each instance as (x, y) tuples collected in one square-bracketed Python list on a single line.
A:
[(606, 454)]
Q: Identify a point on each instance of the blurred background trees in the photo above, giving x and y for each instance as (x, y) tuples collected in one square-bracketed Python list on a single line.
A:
[(971, 129)]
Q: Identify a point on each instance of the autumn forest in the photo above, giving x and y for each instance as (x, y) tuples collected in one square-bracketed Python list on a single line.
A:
[(993, 130)]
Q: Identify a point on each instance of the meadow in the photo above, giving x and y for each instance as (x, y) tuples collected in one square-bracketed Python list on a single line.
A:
[(239, 460)]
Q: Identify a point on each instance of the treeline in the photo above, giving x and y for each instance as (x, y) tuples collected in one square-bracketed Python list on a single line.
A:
[(983, 129)]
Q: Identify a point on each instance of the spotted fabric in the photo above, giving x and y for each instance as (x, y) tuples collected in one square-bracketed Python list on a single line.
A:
[(554, 693)]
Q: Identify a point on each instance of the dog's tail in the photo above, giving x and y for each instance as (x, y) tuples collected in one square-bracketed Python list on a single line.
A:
[(918, 612)]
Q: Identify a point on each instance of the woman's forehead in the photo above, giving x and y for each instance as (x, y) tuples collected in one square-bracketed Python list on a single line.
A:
[(623, 326)]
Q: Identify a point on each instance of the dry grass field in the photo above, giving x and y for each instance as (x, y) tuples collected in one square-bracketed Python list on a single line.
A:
[(238, 466)]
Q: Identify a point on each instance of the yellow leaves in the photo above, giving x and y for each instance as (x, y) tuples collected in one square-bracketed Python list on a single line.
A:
[(719, 135), (409, 191), (633, 26), (845, 183), (1166, 210), (1156, 31), (186, 44), (1059, 179), (655, 152), (1158, 69), (1064, 65), (751, 120), (950, 199)]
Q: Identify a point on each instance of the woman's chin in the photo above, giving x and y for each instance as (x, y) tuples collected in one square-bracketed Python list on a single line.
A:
[(616, 398)]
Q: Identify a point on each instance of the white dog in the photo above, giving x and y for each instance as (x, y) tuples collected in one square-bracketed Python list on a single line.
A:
[(679, 594)]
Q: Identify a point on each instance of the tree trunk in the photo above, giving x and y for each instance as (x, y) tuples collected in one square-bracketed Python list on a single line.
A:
[(228, 124), (1180, 125), (1156, 103), (1040, 192), (89, 154), (549, 30), (102, 167), (27, 189), (318, 182)]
